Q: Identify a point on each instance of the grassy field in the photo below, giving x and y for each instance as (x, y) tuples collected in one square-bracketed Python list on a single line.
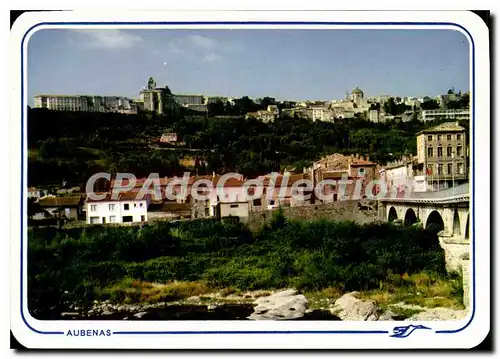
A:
[(155, 262)]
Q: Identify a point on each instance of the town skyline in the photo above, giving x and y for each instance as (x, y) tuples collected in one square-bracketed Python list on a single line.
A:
[(292, 64)]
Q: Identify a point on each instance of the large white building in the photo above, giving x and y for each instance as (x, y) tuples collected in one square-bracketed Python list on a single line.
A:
[(126, 209), (460, 114), (86, 103)]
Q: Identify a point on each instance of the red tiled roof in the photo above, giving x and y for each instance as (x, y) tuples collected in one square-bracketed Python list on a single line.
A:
[(125, 196), (139, 182), (363, 163), (67, 201)]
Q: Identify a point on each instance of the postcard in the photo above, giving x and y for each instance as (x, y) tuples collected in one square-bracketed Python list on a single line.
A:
[(260, 180)]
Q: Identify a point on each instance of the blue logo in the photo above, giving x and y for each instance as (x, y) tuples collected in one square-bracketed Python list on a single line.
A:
[(403, 332)]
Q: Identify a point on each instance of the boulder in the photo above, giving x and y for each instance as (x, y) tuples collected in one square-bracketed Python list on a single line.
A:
[(283, 305), (350, 307), (439, 314), (140, 314), (389, 315), (69, 314)]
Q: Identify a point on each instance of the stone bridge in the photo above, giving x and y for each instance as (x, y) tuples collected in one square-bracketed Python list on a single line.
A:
[(447, 211)]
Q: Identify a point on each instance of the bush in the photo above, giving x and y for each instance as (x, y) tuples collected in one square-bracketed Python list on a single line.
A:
[(307, 255)]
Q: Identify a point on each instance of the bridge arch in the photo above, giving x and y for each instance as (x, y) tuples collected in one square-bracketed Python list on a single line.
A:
[(435, 221), (410, 217), (393, 215), (456, 224)]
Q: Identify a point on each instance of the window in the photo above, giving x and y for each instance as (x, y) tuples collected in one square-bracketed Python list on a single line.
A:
[(429, 138), (94, 220), (135, 204), (459, 150), (127, 219), (459, 137), (233, 205), (126, 206), (460, 168), (361, 171), (430, 152), (271, 202), (141, 204), (448, 137), (143, 218), (439, 137), (440, 151), (112, 219), (448, 152), (93, 208), (450, 168), (111, 207), (440, 169), (257, 202)]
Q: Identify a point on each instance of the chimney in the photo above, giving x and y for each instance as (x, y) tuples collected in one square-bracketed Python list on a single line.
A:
[(368, 158), (213, 174)]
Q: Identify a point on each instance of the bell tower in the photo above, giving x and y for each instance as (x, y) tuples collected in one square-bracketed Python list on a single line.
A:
[(151, 84)]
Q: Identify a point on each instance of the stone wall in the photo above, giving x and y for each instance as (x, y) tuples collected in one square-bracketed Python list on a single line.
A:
[(340, 210), (466, 280), (454, 250)]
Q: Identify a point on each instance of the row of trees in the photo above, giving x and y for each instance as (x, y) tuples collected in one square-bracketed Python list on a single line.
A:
[(75, 145)]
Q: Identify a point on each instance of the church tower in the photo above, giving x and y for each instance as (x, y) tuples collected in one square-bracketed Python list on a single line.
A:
[(151, 84)]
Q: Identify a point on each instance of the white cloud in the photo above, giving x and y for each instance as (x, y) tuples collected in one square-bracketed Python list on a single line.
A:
[(210, 57), (202, 41), (205, 48), (108, 39)]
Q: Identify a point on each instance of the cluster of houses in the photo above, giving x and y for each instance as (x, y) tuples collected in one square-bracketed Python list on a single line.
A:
[(441, 162), (356, 103), (231, 200)]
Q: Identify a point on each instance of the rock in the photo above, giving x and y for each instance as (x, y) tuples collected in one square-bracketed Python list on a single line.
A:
[(69, 314), (140, 314), (126, 318), (439, 314), (282, 305), (212, 306), (389, 315), (121, 308), (349, 307), (107, 312)]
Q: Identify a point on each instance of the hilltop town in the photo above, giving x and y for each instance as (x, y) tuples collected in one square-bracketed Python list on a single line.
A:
[(440, 162), (178, 206)]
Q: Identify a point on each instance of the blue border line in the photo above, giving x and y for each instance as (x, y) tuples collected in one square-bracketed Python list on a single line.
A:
[(249, 23)]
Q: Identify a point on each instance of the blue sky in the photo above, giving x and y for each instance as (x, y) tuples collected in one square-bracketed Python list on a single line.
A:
[(286, 64)]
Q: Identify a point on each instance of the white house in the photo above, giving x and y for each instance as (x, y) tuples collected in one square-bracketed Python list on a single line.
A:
[(126, 209)]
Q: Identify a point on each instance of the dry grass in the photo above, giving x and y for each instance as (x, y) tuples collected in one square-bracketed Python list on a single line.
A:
[(323, 298), (134, 291), (423, 289)]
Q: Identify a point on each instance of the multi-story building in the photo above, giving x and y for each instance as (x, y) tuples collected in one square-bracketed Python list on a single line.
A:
[(126, 209), (321, 114), (442, 156), (190, 99), (70, 103), (159, 100), (87, 103), (459, 114)]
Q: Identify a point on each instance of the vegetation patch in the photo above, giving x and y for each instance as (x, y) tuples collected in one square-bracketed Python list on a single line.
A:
[(322, 258)]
